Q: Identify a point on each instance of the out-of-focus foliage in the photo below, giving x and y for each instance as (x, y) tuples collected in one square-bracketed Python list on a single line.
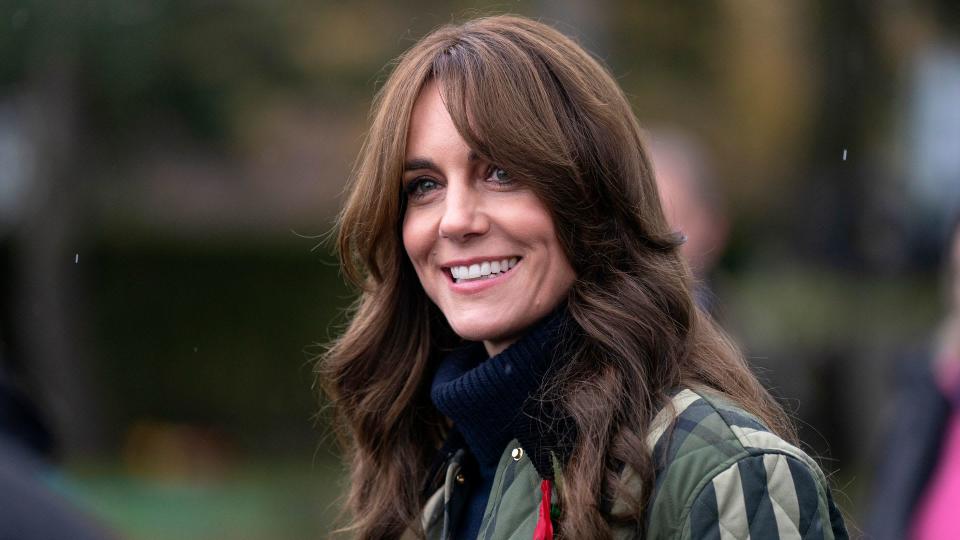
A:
[(141, 63)]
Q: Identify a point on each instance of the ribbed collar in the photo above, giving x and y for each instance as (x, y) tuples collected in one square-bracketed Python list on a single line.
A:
[(494, 400)]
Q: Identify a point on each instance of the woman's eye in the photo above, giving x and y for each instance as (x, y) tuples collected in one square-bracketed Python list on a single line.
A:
[(499, 175), (419, 187)]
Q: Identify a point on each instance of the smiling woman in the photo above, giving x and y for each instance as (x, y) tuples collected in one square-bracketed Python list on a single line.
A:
[(525, 359), (483, 246)]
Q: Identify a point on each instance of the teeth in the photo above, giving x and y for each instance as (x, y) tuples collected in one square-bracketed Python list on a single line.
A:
[(486, 269)]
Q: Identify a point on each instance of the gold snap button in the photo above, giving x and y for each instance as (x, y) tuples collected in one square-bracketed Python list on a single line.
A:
[(460, 479), (517, 453)]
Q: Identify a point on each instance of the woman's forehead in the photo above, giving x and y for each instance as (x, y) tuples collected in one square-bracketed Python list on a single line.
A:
[(432, 134)]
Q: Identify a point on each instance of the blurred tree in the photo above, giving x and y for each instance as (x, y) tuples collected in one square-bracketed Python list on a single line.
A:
[(854, 108), (50, 350), (92, 83)]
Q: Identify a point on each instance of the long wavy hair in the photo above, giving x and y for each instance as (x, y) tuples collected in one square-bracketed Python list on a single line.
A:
[(523, 96)]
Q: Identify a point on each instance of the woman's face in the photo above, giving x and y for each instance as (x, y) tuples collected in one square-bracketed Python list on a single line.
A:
[(484, 247)]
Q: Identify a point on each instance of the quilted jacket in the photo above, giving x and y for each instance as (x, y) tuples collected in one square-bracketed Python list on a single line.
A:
[(720, 474)]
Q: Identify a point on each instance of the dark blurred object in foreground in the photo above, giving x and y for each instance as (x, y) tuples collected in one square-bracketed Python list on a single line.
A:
[(29, 509)]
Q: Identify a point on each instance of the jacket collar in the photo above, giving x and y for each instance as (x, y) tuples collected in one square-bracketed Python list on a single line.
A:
[(494, 400)]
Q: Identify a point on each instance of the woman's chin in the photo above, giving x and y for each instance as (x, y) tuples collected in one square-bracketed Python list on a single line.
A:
[(485, 332)]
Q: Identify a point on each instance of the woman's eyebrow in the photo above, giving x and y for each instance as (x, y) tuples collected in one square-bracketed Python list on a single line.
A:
[(419, 163)]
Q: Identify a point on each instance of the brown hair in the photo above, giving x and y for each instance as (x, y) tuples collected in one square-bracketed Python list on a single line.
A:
[(529, 99)]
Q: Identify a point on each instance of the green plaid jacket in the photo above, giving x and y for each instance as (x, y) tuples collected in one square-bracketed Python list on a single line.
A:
[(720, 474)]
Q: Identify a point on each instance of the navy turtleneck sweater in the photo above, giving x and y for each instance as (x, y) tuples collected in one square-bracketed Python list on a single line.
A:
[(493, 400)]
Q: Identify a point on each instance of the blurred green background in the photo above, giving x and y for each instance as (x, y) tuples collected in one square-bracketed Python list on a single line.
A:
[(169, 171)]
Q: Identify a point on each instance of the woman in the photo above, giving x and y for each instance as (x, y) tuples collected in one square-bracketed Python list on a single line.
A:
[(525, 358)]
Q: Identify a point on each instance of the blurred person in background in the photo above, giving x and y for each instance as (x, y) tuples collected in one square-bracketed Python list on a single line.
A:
[(691, 203), (30, 509), (916, 493), (526, 355)]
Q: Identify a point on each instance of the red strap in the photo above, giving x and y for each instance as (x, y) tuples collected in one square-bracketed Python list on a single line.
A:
[(544, 530)]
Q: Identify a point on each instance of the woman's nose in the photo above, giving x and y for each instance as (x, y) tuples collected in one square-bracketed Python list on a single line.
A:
[(463, 214)]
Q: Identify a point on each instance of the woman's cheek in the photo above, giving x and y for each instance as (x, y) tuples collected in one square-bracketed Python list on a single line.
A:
[(417, 239)]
